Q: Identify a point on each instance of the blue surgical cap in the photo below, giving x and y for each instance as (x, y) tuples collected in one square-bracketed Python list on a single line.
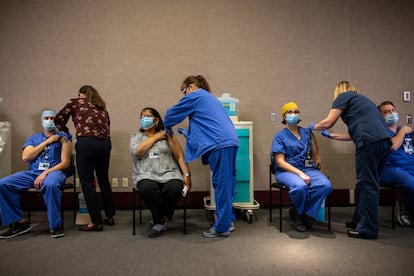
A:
[(48, 113)]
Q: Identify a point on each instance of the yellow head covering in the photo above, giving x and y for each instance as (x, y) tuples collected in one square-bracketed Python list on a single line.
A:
[(288, 106)]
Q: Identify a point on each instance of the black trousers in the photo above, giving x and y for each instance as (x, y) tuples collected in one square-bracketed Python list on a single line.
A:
[(92, 157), (160, 198)]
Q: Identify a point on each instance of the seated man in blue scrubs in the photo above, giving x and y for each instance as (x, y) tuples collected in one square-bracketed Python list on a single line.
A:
[(49, 154), (400, 163)]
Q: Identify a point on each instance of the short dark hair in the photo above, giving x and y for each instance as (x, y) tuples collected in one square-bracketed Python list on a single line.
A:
[(385, 103)]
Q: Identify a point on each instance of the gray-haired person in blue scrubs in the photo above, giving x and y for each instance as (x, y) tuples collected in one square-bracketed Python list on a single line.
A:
[(367, 130), (211, 135)]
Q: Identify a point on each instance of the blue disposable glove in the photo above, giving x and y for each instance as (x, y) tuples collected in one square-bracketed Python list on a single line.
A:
[(183, 131), (311, 125), (326, 134)]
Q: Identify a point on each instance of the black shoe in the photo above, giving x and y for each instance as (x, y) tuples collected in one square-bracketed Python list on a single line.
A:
[(297, 220), (109, 221), (350, 224), (93, 228), (57, 233), (16, 229), (307, 221), (356, 234)]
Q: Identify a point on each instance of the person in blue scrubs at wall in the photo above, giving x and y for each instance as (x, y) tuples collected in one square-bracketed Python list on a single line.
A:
[(211, 135), (297, 166), (368, 131), (400, 164), (48, 154)]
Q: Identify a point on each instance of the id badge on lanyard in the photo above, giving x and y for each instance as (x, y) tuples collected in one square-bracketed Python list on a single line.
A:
[(153, 155), (43, 166)]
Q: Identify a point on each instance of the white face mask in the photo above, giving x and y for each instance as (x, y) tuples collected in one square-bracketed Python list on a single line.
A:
[(147, 122), (292, 119), (48, 125), (391, 119)]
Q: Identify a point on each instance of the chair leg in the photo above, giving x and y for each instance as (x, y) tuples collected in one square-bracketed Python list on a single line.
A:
[(280, 209), (270, 205), (393, 208), (270, 197), (185, 216), (62, 217), (133, 211), (329, 218), (75, 203), (29, 207), (140, 208)]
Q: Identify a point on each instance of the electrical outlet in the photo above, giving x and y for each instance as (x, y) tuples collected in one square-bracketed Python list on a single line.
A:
[(125, 182), (406, 96), (77, 182), (114, 182), (273, 116)]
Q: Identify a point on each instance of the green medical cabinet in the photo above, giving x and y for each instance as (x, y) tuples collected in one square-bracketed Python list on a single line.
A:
[(244, 190), (244, 166)]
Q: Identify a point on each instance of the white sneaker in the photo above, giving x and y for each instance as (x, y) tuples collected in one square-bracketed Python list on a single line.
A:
[(402, 214), (212, 233), (406, 220), (232, 227)]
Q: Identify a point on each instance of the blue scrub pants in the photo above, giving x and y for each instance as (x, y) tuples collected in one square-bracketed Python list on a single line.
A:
[(307, 198), (370, 161), (10, 192), (223, 167), (404, 181)]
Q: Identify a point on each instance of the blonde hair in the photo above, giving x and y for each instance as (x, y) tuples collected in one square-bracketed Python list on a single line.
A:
[(344, 86)]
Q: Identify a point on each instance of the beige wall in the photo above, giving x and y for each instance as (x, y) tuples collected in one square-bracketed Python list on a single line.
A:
[(265, 53)]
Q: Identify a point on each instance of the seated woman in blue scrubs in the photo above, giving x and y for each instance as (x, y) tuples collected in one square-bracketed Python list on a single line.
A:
[(298, 165)]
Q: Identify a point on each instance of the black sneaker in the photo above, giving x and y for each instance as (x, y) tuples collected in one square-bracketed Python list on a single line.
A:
[(350, 224), (307, 221), (297, 220), (57, 233), (16, 229)]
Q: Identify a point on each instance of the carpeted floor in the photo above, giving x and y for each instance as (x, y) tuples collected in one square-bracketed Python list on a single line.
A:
[(252, 249)]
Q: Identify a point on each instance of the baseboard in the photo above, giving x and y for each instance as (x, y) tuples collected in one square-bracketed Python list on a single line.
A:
[(123, 200)]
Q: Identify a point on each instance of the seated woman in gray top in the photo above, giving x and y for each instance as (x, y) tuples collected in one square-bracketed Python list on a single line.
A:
[(158, 169)]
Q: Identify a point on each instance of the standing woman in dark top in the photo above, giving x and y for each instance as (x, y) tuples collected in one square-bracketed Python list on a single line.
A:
[(367, 130), (93, 150)]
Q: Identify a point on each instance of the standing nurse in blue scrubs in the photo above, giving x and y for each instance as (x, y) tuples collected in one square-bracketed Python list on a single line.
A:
[(211, 135), (373, 145)]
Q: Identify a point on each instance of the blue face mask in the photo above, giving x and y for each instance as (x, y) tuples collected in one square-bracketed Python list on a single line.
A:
[(292, 119), (147, 122), (48, 125), (391, 119)]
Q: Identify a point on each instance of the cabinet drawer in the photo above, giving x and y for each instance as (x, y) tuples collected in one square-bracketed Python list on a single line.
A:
[(243, 169), (243, 136), (242, 191)]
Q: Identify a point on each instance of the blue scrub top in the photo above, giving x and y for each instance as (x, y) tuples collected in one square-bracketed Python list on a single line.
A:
[(364, 121), (403, 157), (209, 126), (295, 150), (51, 154)]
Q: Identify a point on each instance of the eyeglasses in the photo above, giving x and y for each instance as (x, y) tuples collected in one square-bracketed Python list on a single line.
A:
[(184, 91)]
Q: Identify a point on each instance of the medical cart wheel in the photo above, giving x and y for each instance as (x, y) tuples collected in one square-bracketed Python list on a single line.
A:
[(249, 216)]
